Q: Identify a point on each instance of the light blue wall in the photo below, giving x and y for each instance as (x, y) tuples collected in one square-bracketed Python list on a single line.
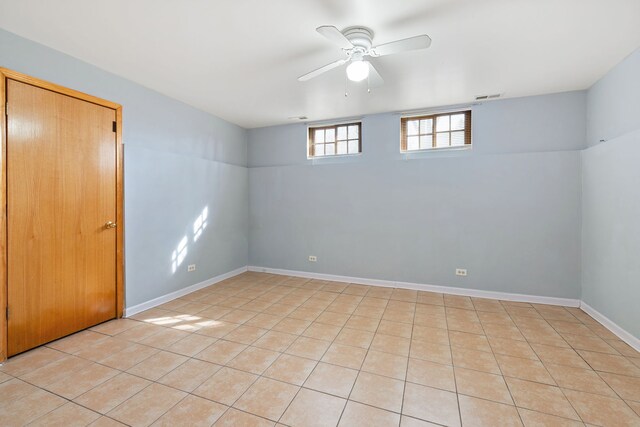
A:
[(508, 210), (177, 161), (611, 197), (613, 108)]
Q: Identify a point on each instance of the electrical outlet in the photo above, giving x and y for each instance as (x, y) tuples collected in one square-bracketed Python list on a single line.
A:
[(313, 258), (191, 267), (461, 271)]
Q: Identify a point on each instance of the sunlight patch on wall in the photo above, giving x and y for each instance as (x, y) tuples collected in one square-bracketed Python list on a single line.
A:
[(200, 224), (179, 254)]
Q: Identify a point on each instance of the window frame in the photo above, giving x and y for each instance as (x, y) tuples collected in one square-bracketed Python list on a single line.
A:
[(311, 143), (433, 116)]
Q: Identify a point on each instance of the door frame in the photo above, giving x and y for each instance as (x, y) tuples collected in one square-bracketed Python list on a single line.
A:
[(13, 75)]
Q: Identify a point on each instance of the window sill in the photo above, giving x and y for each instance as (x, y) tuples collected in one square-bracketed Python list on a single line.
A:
[(436, 152), (338, 158)]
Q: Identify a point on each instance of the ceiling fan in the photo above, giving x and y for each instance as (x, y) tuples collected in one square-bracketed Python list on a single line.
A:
[(356, 42)]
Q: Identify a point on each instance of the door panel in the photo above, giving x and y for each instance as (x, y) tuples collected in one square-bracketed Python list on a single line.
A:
[(61, 190)]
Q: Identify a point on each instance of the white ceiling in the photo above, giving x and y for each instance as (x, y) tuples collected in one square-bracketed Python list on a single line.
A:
[(239, 59)]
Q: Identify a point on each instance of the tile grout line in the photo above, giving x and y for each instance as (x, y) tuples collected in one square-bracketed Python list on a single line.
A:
[(406, 373), (283, 352), (446, 320), (176, 368), (362, 363), (160, 349), (381, 350), (545, 368), (73, 355), (258, 377), (255, 285), (598, 373), (562, 389), (234, 369), (230, 406), (147, 379), (538, 359), (318, 362), (67, 400), (498, 363)]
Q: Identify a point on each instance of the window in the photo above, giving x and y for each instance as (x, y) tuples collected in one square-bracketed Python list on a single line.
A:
[(435, 131), (335, 140)]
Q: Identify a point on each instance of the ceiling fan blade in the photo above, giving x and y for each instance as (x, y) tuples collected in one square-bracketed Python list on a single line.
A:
[(321, 70), (412, 43), (335, 36), (374, 77)]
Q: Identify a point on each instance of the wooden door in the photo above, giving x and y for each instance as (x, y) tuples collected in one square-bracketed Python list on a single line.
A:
[(61, 168)]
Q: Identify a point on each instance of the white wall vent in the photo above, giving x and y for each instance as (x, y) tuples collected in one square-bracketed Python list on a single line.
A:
[(485, 97)]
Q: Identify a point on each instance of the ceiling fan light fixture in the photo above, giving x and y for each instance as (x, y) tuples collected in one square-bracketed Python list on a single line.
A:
[(357, 44), (358, 70)]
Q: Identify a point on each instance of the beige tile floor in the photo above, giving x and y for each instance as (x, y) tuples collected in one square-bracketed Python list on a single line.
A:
[(261, 349)]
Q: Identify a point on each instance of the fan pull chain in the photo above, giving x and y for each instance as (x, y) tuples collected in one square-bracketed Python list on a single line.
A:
[(346, 86)]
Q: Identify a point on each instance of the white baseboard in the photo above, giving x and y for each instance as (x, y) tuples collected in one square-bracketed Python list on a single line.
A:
[(567, 302), (611, 325), (130, 311)]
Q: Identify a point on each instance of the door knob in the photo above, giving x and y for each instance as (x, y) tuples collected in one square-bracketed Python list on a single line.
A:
[(110, 224)]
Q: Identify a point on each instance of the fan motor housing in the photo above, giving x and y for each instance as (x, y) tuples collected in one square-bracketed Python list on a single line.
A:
[(360, 37)]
